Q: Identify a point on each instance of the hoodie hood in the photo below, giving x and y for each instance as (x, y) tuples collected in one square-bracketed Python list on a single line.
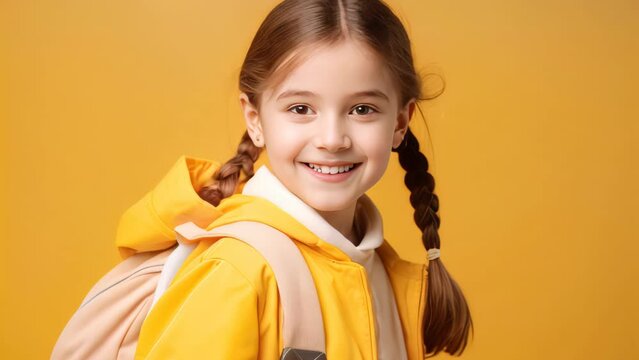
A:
[(149, 224)]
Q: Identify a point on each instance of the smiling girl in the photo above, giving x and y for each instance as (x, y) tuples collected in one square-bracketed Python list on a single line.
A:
[(327, 88)]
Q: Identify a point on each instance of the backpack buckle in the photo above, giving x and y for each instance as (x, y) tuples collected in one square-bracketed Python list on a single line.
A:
[(290, 353)]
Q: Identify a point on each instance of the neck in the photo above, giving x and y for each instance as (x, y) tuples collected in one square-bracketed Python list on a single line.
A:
[(344, 221)]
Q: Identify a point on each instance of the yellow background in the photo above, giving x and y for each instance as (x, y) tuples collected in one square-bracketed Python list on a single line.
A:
[(534, 151)]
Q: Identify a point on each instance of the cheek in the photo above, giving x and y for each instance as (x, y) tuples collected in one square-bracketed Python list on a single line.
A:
[(376, 143), (285, 142), (378, 159)]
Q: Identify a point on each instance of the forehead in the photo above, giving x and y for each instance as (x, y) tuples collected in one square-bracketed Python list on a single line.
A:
[(335, 71)]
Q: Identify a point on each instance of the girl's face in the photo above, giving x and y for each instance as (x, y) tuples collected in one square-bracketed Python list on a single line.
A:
[(337, 109)]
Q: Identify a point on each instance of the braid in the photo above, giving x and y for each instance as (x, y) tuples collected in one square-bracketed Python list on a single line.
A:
[(226, 178), (421, 185), (447, 317)]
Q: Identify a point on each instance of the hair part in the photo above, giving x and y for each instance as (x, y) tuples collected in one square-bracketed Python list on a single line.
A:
[(288, 35)]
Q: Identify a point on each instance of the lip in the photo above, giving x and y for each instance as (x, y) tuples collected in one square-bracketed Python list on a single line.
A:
[(331, 163), (331, 178)]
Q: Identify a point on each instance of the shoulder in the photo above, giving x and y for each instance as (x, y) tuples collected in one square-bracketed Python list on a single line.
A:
[(221, 300), (395, 265), (246, 261)]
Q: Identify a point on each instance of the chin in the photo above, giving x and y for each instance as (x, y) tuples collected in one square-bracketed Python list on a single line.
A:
[(325, 206)]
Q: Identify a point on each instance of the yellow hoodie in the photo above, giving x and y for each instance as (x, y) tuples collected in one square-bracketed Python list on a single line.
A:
[(224, 302)]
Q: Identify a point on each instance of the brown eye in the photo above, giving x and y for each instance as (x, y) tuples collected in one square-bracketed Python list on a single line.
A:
[(302, 108), (361, 109)]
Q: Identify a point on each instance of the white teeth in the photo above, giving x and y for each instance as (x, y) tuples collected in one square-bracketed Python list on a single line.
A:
[(331, 169)]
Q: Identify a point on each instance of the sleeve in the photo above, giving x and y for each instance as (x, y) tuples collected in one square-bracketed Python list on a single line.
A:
[(210, 312)]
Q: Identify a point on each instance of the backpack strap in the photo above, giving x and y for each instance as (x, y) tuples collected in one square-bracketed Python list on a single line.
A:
[(171, 266), (303, 326)]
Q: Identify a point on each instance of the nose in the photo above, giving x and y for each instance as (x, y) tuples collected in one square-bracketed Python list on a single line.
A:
[(332, 134)]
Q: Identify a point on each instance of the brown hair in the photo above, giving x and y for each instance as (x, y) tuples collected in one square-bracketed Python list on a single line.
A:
[(282, 41)]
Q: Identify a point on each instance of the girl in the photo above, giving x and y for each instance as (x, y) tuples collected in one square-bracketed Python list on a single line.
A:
[(328, 88)]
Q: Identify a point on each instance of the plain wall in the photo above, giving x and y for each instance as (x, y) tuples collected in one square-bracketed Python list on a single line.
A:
[(533, 146)]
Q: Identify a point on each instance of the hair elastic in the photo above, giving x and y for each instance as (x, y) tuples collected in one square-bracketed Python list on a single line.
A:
[(433, 254)]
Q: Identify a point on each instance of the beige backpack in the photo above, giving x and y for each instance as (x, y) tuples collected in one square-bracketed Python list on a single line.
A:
[(107, 324)]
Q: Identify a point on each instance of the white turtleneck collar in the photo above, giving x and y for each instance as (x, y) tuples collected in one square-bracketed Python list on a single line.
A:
[(266, 185)]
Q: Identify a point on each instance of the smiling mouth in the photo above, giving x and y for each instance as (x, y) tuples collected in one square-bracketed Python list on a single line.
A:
[(323, 169)]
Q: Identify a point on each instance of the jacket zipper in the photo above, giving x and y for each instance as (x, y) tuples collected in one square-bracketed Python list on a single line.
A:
[(371, 315)]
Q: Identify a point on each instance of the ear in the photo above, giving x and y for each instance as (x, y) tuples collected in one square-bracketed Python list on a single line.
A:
[(252, 118), (401, 125)]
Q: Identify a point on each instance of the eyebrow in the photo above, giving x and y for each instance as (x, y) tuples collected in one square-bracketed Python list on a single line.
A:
[(369, 93)]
